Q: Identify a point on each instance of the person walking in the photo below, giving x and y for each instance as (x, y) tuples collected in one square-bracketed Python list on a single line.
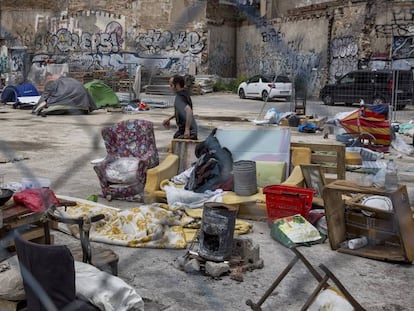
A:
[(183, 111)]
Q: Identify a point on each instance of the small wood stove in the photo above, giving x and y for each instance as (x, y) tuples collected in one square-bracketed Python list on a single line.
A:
[(217, 229)]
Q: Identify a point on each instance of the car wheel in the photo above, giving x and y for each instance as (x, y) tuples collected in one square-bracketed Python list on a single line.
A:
[(378, 100), (265, 95), (328, 100), (241, 94)]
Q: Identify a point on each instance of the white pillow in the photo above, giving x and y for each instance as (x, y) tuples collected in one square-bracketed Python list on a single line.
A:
[(122, 170), (104, 290)]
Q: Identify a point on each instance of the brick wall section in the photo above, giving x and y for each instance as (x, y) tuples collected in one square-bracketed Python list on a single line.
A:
[(113, 6), (33, 4), (152, 14)]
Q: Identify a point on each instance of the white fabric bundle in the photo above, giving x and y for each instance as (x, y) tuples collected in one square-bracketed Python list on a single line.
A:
[(104, 290)]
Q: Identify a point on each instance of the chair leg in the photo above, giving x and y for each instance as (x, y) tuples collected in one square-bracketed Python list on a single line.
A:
[(322, 284), (257, 306), (86, 247), (307, 264)]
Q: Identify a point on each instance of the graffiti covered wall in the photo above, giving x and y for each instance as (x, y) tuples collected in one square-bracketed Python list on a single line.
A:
[(285, 48), (91, 40), (394, 33)]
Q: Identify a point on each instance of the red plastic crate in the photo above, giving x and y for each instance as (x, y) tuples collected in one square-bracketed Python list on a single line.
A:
[(283, 201)]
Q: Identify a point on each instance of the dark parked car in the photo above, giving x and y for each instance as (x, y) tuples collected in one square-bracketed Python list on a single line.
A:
[(374, 87)]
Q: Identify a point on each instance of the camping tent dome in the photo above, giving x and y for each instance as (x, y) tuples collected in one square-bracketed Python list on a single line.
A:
[(12, 92), (64, 96), (102, 94)]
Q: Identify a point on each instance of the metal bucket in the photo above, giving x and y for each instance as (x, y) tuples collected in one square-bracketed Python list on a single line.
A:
[(245, 179), (293, 121), (217, 229)]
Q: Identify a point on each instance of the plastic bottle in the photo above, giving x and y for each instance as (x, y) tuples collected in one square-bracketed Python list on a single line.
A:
[(391, 176), (358, 242)]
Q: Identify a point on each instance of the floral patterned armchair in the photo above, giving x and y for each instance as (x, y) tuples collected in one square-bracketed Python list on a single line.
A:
[(130, 145)]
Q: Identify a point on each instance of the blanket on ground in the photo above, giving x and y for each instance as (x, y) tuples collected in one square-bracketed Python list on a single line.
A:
[(154, 225)]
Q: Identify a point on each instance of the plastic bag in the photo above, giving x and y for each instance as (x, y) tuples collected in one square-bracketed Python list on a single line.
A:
[(271, 116), (308, 128), (295, 230), (179, 197), (122, 170), (379, 178), (400, 145), (36, 200)]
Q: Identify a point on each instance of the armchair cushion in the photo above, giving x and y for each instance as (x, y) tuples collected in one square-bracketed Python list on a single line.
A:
[(122, 170)]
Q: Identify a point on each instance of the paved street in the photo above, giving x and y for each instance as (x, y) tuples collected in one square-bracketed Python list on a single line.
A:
[(224, 103), (61, 148)]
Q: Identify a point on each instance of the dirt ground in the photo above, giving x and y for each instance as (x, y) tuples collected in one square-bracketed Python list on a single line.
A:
[(61, 149)]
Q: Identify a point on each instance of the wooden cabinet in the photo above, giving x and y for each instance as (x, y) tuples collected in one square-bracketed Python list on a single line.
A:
[(390, 233)]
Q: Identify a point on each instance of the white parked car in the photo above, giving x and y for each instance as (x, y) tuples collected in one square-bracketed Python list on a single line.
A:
[(264, 86)]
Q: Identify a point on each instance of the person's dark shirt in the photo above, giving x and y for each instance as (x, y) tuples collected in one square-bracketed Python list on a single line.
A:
[(182, 99)]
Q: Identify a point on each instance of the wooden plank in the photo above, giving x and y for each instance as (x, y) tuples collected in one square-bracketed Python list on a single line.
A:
[(335, 216), (31, 234), (25, 219), (403, 211), (384, 252), (12, 212)]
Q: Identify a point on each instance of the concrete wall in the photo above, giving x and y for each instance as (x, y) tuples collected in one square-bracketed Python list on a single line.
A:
[(316, 41), (222, 51), (297, 49)]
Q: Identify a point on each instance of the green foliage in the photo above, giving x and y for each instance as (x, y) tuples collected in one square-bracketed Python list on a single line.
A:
[(220, 86), (236, 82)]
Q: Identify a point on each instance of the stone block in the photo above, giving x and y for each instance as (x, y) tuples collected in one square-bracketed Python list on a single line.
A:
[(215, 269), (244, 248)]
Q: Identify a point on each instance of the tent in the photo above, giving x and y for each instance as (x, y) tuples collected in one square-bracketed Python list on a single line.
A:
[(11, 93), (102, 94), (64, 96), (372, 120)]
